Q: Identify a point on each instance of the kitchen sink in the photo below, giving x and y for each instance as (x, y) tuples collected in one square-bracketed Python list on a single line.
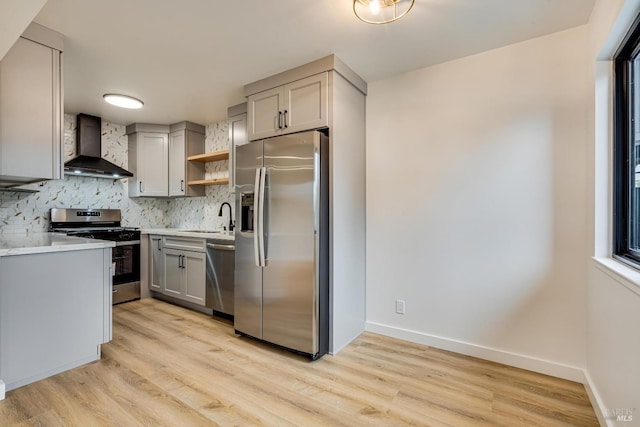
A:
[(199, 231)]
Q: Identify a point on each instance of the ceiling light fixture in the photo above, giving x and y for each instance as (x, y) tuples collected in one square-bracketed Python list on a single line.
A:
[(381, 11), (123, 101)]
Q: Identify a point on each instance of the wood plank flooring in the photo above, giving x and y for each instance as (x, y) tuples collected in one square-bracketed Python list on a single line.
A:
[(168, 366)]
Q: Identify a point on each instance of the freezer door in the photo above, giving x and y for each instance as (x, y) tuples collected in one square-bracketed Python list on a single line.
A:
[(248, 276), (290, 305)]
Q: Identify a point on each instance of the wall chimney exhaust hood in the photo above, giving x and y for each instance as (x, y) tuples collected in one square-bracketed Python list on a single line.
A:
[(89, 161)]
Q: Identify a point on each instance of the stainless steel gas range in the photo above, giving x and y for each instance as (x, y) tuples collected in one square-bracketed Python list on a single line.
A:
[(105, 224)]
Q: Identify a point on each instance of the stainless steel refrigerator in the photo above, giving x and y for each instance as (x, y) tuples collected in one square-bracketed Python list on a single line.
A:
[(282, 246)]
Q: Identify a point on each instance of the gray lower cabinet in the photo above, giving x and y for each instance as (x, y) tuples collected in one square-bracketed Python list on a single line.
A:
[(173, 277), (192, 272), (184, 265), (44, 330), (156, 271)]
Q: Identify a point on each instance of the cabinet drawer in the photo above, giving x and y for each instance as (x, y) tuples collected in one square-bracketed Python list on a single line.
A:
[(185, 243)]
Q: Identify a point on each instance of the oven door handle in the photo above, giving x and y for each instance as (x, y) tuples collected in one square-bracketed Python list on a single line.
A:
[(131, 242)]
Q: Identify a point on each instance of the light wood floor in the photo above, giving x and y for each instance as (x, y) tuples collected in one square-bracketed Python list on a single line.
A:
[(169, 366)]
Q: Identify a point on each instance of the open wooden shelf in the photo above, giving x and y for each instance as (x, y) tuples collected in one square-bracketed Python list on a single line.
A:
[(215, 181), (210, 157)]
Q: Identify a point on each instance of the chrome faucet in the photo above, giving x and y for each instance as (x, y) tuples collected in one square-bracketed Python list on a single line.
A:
[(231, 225)]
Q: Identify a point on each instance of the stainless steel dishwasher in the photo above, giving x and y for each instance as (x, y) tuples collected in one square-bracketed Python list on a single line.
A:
[(220, 276)]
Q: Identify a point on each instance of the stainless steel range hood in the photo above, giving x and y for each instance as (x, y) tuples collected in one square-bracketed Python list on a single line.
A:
[(89, 161)]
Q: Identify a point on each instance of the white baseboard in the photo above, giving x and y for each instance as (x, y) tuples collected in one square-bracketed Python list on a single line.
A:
[(530, 363), (596, 400)]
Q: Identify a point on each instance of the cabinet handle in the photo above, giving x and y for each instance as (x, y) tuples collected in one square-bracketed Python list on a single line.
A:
[(182, 185), (159, 248), (279, 119), (140, 184), (179, 261), (286, 114)]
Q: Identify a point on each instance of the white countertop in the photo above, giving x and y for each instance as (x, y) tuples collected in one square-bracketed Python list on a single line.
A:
[(37, 243), (200, 234)]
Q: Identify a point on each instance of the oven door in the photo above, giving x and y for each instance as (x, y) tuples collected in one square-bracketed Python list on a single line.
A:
[(126, 279)]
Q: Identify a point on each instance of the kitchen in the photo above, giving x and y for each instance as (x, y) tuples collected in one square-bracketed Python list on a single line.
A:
[(548, 309)]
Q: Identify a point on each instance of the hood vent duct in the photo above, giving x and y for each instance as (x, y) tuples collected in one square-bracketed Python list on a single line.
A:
[(89, 161)]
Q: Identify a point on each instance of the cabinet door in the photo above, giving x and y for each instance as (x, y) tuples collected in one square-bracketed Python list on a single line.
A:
[(153, 164), (237, 137), (264, 115), (177, 161), (194, 277), (156, 270), (173, 276), (30, 112), (306, 104)]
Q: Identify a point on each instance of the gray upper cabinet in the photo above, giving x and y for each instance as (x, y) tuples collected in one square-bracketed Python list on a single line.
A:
[(158, 159), (265, 117), (237, 136), (185, 139), (148, 160), (292, 107), (177, 163), (31, 108)]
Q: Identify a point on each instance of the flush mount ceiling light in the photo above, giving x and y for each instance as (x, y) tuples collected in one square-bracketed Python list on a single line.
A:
[(381, 11), (123, 101)]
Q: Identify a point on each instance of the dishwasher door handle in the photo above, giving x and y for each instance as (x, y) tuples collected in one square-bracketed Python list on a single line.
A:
[(221, 247)]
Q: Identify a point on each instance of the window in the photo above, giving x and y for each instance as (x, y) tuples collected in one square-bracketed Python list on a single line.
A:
[(626, 150)]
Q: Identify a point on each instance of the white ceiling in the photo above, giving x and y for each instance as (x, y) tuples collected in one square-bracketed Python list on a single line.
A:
[(189, 59)]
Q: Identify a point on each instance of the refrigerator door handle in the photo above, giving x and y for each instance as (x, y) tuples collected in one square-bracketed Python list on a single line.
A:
[(256, 218), (262, 253)]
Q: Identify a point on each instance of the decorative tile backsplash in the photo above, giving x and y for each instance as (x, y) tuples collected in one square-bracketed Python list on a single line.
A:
[(20, 212)]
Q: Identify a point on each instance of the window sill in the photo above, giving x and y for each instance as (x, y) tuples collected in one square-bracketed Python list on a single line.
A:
[(621, 273)]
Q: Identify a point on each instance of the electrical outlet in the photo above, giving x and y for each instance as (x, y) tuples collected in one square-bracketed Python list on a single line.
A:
[(400, 306)]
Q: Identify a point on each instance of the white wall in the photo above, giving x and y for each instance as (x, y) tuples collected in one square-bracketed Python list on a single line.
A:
[(476, 204), (613, 350)]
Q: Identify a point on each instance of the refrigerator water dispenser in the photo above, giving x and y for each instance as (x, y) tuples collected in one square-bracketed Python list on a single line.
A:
[(246, 216)]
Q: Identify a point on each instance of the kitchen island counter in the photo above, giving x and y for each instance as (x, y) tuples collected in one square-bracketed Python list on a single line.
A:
[(55, 305), (37, 243)]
